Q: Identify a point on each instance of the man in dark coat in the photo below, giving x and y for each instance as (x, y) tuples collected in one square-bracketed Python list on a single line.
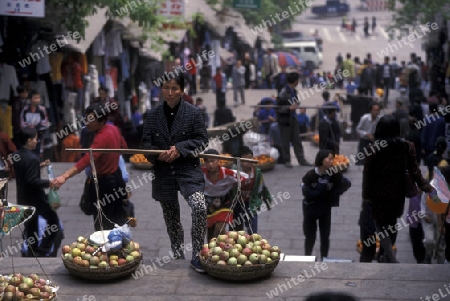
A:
[(178, 128), (367, 82), (329, 132), (287, 101)]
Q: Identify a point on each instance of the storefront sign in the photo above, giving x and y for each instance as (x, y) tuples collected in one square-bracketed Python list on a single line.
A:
[(23, 8), (252, 4), (172, 8)]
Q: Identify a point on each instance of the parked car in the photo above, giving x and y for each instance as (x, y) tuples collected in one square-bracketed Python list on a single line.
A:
[(292, 36), (307, 51), (331, 8)]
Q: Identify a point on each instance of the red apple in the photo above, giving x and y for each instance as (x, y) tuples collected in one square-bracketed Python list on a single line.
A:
[(122, 261), (65, 249)]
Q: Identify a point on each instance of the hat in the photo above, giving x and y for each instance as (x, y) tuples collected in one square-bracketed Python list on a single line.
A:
[(211, 151)]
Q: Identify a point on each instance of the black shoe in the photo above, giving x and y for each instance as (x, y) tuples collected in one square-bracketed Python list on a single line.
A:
[(197, 266)]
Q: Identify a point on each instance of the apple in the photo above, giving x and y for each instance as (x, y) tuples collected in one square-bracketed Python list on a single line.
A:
[(228, 247), (248, 263), (224, 255), (103, 257), (230, 241), (19, 296), (15, 281), (238, 247), (35, 292), (87, 256), (255, 237), (65, 249), (9, 296), (47, 289), (247, 252), (267, 247), (257, 249), (73, 245), (19, 276), (232, 261), (242, 241), (254, 258), (263, 259), (44, 295), (42, 281), (276, 249), (130, 247), (82, 247), (113, 263), (113, 257), (215, 258), (76, 252), (264, 241), (242, 232), (266, 253), (34, 277), (122, 261), (94, 260), (89, 250), (233, 235), (250, 243), (222, 238), (217, 251), (81, 239), (10, 288), (242, 259), (82, 254), (68, 257), (269, 260), (103, 264), (234, 253), (212, 245), (29, 296), (257, 243), (85, 263), (274, 255), (204, 251), (129, 258), (221, 262), (28, 281), (77, 260), (214, 239), (135, 254)]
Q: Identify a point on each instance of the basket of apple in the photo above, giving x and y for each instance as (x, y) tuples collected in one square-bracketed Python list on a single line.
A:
[(88, 261), (239, 256), (20, 288)]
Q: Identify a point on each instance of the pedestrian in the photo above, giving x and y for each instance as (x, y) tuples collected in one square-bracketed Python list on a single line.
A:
[(386, 74), (219, 194), (366, 128), (432, 130), (238, 82), (109, 175), (287, 102), (383, 186), (321, 190), (220, 85), (275, 140), (304, 123), (366, 27), (178, 129), (367, 79), (30, 192), (254, 192), (329, 132), (354, 26), (270, 65)]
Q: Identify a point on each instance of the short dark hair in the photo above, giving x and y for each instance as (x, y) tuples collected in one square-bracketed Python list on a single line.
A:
[(374, 103), (25, 134), (245, 150), (179, 79), (34, 92), (349, 55), (326, 95), (292, 77), (388, 128), (321, 155), (103, 88), (211, 151), (99, 110)]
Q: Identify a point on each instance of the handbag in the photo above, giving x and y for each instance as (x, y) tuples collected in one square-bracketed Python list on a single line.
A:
[(410, 184), (85, 201)]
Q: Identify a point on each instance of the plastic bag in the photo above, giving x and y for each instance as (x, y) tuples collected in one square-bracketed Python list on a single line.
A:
[(53, 199), (117, 237)]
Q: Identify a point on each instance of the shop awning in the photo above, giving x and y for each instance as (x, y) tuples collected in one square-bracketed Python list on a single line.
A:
[(95, 25)]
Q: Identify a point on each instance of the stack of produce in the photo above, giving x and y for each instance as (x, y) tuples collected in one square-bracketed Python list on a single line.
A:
[(139, 161), (19, 287)]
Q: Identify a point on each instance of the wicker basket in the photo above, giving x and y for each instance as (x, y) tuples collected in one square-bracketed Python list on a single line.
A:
[(102, 274), (142, 165), (266, 166), (51, 298), (242, 273)]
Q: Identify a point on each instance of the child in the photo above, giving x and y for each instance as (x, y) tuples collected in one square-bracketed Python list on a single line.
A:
[(219, 182), (321, 190), (253, 193)]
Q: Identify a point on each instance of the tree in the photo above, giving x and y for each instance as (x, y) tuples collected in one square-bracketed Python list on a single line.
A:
[(412, 13), (71, 14)]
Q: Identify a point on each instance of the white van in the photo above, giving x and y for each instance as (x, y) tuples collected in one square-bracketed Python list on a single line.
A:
[(306, 51)]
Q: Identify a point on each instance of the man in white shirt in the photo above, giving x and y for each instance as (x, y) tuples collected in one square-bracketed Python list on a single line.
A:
[(366, 128)]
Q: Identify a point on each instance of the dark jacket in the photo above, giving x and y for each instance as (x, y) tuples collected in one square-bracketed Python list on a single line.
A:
[(384, 179), (188, 134), (321, 192), (285, 116), (30, 186), (329, 135), (367, 80), (223, 115)]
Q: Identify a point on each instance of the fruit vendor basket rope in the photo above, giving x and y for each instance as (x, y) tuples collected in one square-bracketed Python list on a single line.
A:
[(100, 274), (235, 273)]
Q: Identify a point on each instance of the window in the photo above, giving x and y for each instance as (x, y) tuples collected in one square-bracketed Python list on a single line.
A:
[(310, 49)]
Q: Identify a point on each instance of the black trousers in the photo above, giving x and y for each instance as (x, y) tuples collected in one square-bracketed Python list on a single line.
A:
[(220, 97), (363, 143), (447, 241), (367, 233), (416, 236), (111, 195), (290, 134), (310, 230), (51, 237)]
